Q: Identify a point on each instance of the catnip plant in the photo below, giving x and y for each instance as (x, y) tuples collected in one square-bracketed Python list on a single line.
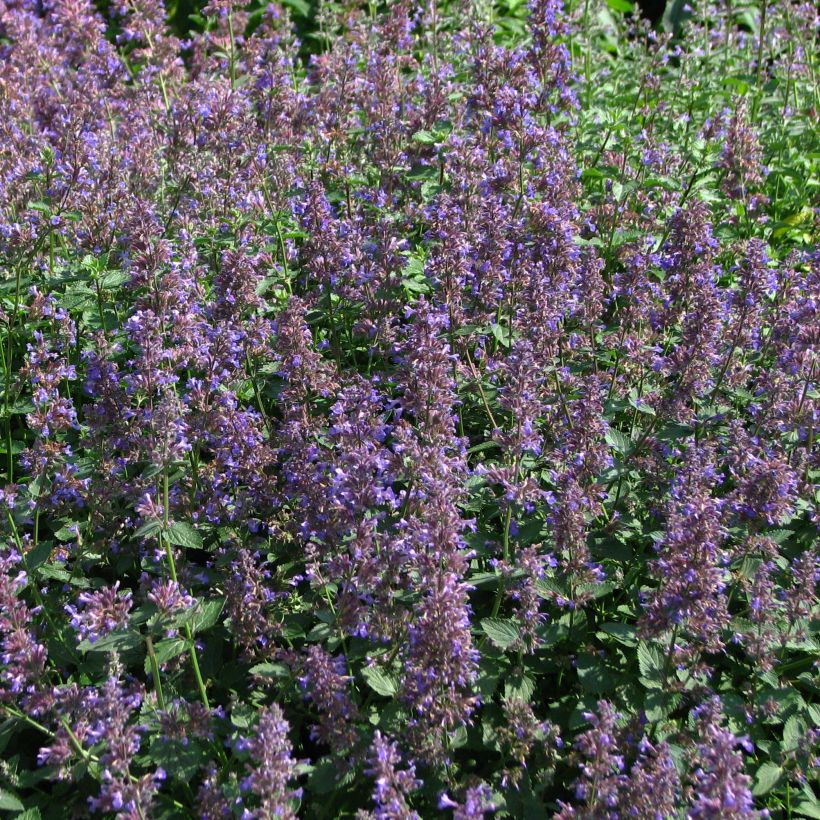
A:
[(409, 410)]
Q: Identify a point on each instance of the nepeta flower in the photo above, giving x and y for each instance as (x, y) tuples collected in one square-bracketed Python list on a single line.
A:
[(247, 602), (168, 597), (99, 613), (741, 158), (653, 790), (602, 767), (24, 657), (691, 567), (271, 767), (393, 784), (325, 683), (476, 804), (718, 786)]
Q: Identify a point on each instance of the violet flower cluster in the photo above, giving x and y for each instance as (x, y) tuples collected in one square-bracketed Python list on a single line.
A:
[(409, 410)]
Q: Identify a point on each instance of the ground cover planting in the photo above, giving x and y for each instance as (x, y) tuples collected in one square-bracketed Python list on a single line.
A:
[(409, 410)]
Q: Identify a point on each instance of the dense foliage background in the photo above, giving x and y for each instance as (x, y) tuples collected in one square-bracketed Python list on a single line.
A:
[(409, 410)]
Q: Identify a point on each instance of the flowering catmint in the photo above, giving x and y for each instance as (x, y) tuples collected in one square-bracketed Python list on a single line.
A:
[(324, 683), (432, 371), (718, 786), (393, 784), (271, 767), (519, 735), (741, 159), (440, 665), (168, 597), (691, 564), (247, 601), (602, 767), (476, 804), (24, 657), (101, 612), (653, 789)]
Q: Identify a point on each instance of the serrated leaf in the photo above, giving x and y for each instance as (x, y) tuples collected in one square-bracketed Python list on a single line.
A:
[(121, 641), (114, 278), (594, 675), (327, 776), (623, 633), (169, 649), (658, 704), (501, 334), (792, 733), (519, 687), (182, 534), (615, 438), (270, 670), (503, 633), (642, 407), (320, 632), (807, 809), (9, 801), (180, 761), (148, 529), (458, 737), (650, 662), (766, 778), (621, 6), (379, 682), (205, 614), (39, 555)]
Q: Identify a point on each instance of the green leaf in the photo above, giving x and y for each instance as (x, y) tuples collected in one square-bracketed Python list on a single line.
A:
[(807, 808), (623, 633), (270, 670), (182, 534), (300, 7), (650, 662), (180, 761), (379, 682), (414, 266), (676, 13), (621, 6), (114, 278), (205, 614), (502, 632), (319, 633), (766, 778), (519, 687), (658, 704), (641, 407), (9, 802), (615, 438), (121, 641), (39, 555), (458, 737), (501, 333), (148, 529), (792, 733), (594, 675), (327, 777), (169, 649)]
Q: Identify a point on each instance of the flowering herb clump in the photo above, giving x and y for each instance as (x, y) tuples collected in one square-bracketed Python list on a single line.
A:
[(409, 410)]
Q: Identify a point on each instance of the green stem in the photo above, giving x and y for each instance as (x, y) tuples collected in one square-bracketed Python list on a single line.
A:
[(152, 657), (172, 569), (763, 9)]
